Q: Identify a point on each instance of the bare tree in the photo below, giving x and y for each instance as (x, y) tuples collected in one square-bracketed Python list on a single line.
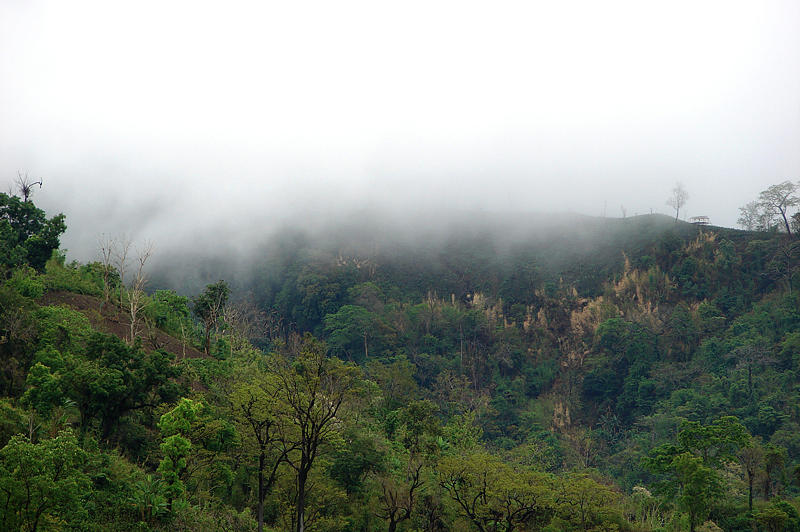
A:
[(108, 247), (777, 200), (136, 294), (752, 218), (25, 185), (678, 198), (245, 322), (121, 251)]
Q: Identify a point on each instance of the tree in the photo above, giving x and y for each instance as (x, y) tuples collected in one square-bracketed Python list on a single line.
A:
[(751, 218), (349, 330), (750, 356), (777, 200), (399, 492), (678, 198), (136, 295), (784, 263), (209, 308), (695, 487), (255, 409), (175, 425), (715, 443), (396, 379), (25, 185), (688, 470), (108, 247), (120, 256), (495, 497), (313, 388), (417, 428), (42, 484), (774, 460), (772, 518), (18, 332), (586, 503), (751, 457), (27, 236), (114, 379)]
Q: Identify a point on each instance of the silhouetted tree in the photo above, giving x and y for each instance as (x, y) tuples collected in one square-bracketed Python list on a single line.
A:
[(312, 388), (777, 200), (25, 185), (752, 218), (209, 308), (678, 198)]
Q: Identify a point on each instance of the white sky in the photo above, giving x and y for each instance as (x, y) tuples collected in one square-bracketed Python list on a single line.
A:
[(150, 116)]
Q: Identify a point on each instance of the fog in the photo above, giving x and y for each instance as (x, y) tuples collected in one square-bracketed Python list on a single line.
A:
[(201, 125)]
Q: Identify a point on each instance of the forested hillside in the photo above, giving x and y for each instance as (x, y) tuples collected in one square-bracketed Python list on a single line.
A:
[(490, 373)]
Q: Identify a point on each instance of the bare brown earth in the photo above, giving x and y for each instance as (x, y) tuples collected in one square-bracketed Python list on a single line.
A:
[(116, 321)]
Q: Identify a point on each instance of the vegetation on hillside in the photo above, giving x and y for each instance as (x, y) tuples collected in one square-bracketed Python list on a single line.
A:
[(639, 374)]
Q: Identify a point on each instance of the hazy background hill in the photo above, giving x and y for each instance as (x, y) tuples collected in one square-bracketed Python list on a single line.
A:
[(449, 253), (512, 258)]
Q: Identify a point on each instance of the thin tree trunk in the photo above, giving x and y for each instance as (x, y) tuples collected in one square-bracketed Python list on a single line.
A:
[(302, 477), (786, 222), (261, 492)]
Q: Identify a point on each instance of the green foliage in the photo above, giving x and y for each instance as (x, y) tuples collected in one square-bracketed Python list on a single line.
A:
[(209, 307), (773, 519), (553, 363), (396, 379), (148, 499), (175, 425), (313, 389), (175, 449), (63, 328), (44, 391), (113, 379), (17, 339), (349, 330), (694, 487), (12, 420), (690, 470), (59, 276), (715, 443), (43, 484), (169, 312), (357, 458), (27, 282), (462, 432), (620, 372), (495, 497), (585, 504), (27, 236), (179, 420)]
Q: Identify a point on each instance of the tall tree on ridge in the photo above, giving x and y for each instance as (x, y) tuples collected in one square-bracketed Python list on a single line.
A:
[(777, 199), (678, 198)]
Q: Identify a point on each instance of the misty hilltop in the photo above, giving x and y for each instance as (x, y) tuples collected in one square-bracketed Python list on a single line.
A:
[(459, 252)]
